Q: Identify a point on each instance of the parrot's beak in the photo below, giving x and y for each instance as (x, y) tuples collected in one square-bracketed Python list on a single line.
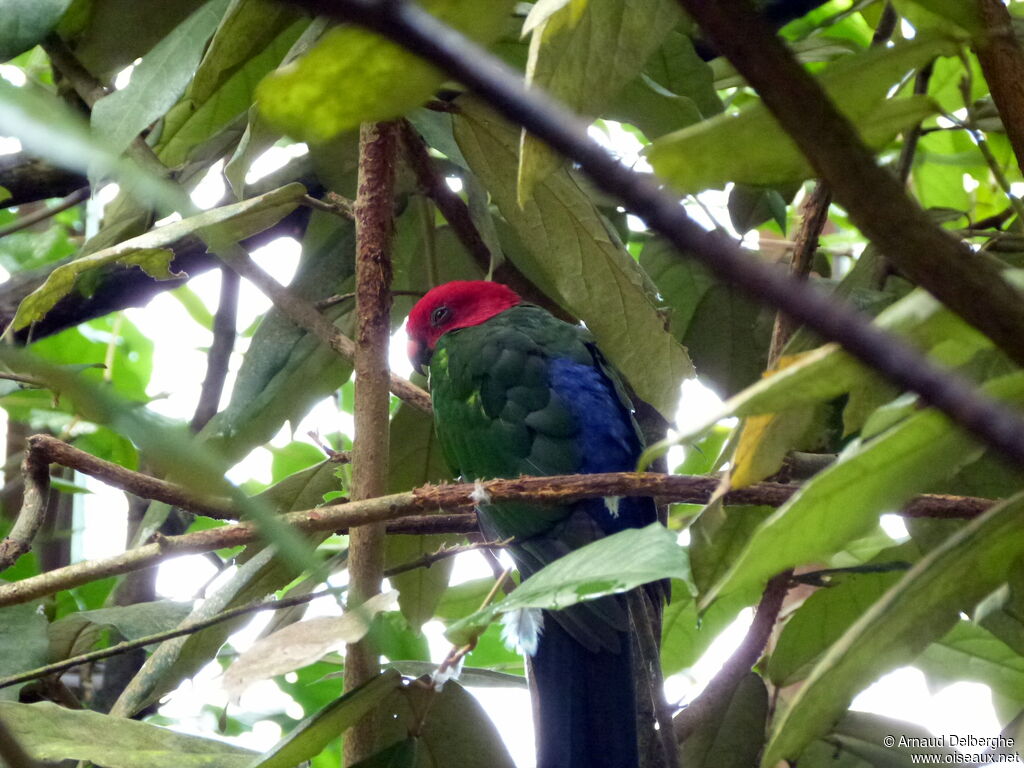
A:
[(419, 354)]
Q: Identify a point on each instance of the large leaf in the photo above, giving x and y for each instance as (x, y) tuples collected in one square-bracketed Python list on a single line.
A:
[(730, 147), (229, 223), (77, 632), (969, 652), (821, 620), (732, 733), (416, 459), (157, 81), (455, 731), (843, 501), (383, 80), (572, 248), (924, 605), (585, 61), (307, 739), (299, 645), (23, 642), (49, 732), (253, 38), (24, 24), (614, 564), (725, 333)]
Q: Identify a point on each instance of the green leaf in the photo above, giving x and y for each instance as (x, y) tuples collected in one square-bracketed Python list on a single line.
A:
[(858, 741), (571, 247), (732, 735), (921, 607), (382, 79), (78, 632), (251, 41), (613, 564), (583, 58), (685, 634), (157, 81), (843, 501), (23, 642), (457, 732), (969, 652), (415, 460), (24, 24), (730, 147), (287, 370), (821, 620), (229, 223), (49, 129), (308, 738), (750, 207), (724, 332), (52, 733), (718, 536), (401, 754)]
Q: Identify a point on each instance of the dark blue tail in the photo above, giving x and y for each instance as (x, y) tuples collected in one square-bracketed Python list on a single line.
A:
[(586, 701)]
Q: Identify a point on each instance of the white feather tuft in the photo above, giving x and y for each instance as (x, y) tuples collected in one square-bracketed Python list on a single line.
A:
[(451, 672), (611, 503), (521, 629), (480, 494)]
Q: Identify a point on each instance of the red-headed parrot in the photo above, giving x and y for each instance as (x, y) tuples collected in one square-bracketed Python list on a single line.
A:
[(517, 391)]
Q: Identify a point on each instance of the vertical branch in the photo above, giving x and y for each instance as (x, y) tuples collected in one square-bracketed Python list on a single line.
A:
[(1002, 62), (217, 360), (815, 214), (373, 215)]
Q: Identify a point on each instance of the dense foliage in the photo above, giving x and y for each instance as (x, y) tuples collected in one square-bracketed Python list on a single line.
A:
[(98, 218)]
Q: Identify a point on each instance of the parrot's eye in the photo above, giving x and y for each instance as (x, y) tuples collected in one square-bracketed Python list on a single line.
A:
[(439, 315)]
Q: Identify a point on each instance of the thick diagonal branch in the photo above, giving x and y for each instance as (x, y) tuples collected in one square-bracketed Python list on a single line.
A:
[(933, 258)]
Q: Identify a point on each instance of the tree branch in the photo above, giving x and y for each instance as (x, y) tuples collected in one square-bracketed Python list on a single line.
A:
[(815, 216), (560, 489), (255, 607), (29, 179), (456, 213), (303, 314), (1002, 62), (877, 204), (374, 217), (35, 472), (26, 221), (997, 425), (716, 695), (219, 356)]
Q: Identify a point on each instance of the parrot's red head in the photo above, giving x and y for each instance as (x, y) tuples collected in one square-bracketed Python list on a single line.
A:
[(454, 305)]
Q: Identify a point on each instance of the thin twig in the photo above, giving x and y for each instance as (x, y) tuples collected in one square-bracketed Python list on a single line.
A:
[(233, 613), (541, 490), (815, 216), (26, 221), (304, 315), (990, 302), (340, 298), (219, 356), (336, 204), (913, 136), (721, 688)]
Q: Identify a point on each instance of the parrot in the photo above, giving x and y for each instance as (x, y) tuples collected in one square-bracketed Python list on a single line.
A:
[(517, 391)]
